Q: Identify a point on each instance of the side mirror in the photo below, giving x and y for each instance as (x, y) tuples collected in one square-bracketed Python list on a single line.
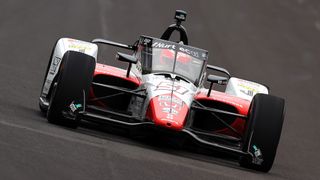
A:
[(127, 58), (216, 79), (219, 69)]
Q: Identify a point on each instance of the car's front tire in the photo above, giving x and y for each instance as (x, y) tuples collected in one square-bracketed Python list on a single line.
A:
[(74, 77), (263, 131)]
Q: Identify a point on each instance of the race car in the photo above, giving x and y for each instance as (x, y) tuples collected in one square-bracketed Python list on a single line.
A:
[(163, 90)]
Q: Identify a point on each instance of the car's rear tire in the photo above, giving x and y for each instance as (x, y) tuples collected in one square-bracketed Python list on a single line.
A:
[(74, 77), (263, 130)]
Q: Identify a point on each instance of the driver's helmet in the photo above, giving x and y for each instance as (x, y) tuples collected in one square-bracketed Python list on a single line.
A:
[(167, 57)]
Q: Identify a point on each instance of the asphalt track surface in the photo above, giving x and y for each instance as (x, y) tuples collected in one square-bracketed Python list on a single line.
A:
[(271, 41)]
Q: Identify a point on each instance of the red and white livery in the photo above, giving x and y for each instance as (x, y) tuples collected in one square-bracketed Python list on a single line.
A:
[(163, 90)]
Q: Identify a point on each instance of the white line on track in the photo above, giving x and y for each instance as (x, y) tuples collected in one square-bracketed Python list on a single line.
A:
[(5, 123)]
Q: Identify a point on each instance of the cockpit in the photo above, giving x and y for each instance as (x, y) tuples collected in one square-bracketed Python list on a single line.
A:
[(161, 56)]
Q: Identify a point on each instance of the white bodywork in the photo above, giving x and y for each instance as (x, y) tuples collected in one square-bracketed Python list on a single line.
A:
[(244, 89), (63, 45), (159, 85)]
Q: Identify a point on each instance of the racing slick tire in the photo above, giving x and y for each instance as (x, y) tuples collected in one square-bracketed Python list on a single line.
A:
[(74, 77), (263, 131)]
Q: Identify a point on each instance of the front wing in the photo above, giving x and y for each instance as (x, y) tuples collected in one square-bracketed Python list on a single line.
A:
[(219, 142)]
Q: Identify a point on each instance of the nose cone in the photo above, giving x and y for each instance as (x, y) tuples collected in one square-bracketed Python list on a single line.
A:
[(168, 111)]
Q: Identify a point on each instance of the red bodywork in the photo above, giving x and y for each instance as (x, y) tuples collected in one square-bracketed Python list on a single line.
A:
[(168, 111), (102, 69), (241, 105)]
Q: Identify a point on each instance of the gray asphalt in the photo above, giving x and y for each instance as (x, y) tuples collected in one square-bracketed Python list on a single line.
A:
[(271, 41)]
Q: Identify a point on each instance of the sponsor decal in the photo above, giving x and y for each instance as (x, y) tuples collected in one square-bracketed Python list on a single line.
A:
[(169, 116), (169, 87), (164, 98), (185, 50), (73, 107), (248, 87), (163, 45), (146, 41), (54, 64), (170, 110), (170, 105), (189, 52), (46, 87), (257, 155), (168, 98), (248, 90), (157, 43), (80, 47)]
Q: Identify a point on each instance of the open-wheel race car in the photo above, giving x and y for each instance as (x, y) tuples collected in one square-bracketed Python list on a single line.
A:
[(163, 89)]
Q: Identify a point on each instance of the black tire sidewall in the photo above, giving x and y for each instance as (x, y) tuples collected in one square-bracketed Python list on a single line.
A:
[(74, 77), (264, 127)]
